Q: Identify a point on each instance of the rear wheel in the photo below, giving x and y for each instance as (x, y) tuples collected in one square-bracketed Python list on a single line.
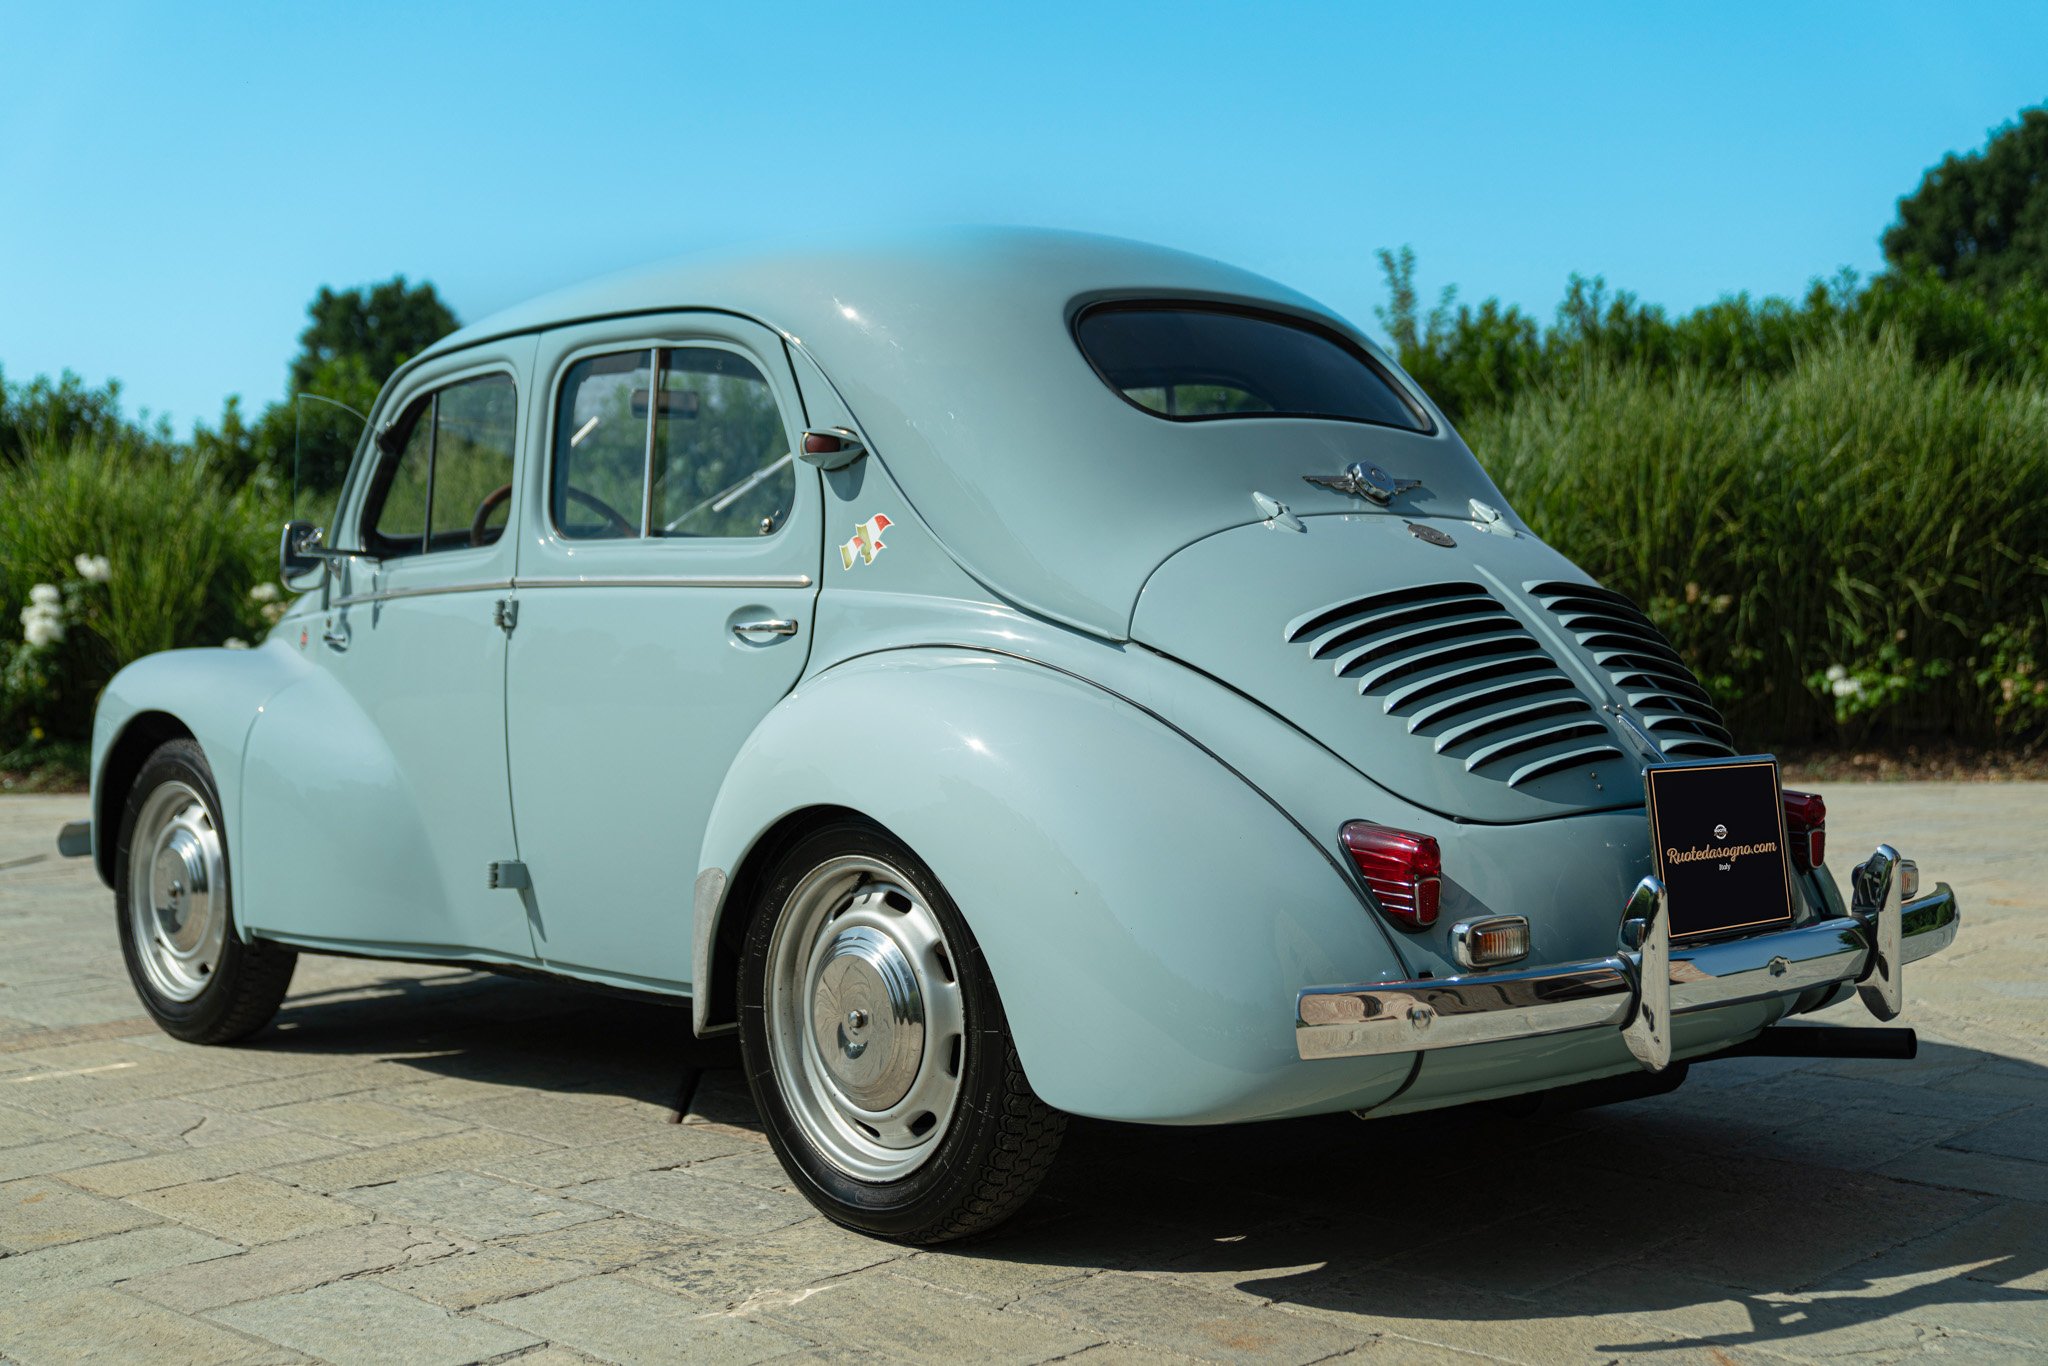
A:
[(877, 1049), (176, 915)]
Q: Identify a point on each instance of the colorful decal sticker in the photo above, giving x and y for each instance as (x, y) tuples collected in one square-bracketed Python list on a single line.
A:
[(866, 542)]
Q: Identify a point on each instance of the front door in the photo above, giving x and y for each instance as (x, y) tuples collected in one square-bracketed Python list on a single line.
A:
[(395, 759), (664, 606)]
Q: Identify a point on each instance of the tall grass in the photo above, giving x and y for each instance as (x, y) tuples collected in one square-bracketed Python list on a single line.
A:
[(1857, 544), (183, 550)]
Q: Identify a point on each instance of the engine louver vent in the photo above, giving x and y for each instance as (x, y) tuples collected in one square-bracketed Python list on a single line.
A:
[(1453, 663), (1651, 677)]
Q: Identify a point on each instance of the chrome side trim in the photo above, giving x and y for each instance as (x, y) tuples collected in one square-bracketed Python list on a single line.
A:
[(1638, 988), (636, 581), (673, 581), (424, 591)]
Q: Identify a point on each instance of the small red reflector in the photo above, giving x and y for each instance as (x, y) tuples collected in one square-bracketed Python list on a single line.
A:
[(822, 443), (1403, 871), (1806, 822)]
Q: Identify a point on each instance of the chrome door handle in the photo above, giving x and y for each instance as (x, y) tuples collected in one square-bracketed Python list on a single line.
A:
[(336, 636), (775, 626)]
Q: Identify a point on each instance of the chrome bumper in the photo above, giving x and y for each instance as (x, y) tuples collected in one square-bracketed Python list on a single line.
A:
[(1637, 989)]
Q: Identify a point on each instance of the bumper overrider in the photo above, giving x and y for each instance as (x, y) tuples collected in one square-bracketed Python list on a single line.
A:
[(1637, 989)]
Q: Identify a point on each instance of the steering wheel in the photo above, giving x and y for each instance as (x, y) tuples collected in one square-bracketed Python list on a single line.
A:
[(492, 500)]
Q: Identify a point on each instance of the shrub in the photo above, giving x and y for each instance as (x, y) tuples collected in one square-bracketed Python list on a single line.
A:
[(1857, 545), (108, 553)]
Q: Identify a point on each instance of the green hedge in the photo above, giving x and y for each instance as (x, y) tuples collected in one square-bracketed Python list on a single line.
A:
[(1855, 546), (183, 552)]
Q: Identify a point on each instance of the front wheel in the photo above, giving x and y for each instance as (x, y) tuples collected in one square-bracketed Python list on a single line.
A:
[(195, 976), (877, 1049)]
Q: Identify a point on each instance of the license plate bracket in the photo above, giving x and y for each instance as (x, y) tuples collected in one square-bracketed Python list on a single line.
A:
[(1717, 840)]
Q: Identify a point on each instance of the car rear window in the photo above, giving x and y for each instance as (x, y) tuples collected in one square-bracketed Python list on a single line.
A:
[(1191, 363)]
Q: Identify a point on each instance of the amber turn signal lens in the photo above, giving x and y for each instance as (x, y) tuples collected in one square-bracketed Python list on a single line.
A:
[(1403, 871)]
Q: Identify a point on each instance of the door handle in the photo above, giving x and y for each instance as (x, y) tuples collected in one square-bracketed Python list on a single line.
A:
[(755, 630), (336, 636)]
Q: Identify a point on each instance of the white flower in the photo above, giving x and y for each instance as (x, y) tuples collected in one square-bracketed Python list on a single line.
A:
[(234, 643), (40, 629), (264, 592), (1836, 673), (92, 568), (274, 612), (1845, 687), (44, 595)]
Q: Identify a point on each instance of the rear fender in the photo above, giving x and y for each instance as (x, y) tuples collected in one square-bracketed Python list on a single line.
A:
[(1146, 913)]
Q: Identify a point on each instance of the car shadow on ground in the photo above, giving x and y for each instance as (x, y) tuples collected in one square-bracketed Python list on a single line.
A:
[(1767, 1201)]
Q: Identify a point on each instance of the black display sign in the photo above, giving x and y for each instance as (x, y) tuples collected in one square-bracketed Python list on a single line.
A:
[(1717, 832)]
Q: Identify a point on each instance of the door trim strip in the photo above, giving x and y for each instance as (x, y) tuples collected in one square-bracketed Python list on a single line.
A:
[(635, 581)]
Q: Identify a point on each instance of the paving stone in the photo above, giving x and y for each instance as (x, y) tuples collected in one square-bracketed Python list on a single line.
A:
[(294, 1264), (103, 1261), (557, 1120), (356, 1120), (751, 1166), (2023, 1136), (249, 1209), (875, 1311), (721, 1207), (312, 1084), (363, 1321), (19, 1127), (1188, 1319), (731, 1271), (476, 1149), (2011, 1177), (609, 1243), (87, 1076), (676, 1145), (63, 1154), (106, 1325), (38, 1212), (481, 1276), (624, 1321), (200, 1164), (170, 1122), (472, 1205)]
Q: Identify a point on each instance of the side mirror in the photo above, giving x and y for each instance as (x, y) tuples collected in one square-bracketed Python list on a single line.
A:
[(299, 550), (831, 448)]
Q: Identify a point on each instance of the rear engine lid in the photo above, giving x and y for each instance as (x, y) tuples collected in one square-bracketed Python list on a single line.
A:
[(1478, 674)]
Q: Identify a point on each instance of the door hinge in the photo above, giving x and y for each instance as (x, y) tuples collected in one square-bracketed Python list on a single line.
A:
[(509, 875), (507, 615)]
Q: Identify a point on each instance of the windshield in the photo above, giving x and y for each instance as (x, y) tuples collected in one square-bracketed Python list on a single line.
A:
[(1196, 362)]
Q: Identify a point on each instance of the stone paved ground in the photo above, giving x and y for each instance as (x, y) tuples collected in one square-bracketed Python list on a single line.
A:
[(429, 1165)]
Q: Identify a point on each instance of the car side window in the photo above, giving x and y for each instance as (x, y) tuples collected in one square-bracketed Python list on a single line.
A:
[(447, 482), (701, 421)]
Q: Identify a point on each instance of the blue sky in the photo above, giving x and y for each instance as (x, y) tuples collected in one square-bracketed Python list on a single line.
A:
[(176, 181)]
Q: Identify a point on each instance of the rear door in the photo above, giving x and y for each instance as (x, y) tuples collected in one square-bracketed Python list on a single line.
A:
[(664, 595)]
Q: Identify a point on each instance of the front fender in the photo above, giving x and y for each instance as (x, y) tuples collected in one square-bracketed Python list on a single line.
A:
[(1147, 914), (215, 694)]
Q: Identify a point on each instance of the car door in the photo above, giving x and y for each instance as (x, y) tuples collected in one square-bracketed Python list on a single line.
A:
[(385, 770), (664, 606)]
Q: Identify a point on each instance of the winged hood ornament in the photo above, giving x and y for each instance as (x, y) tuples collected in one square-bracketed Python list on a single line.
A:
[(1362, 480)]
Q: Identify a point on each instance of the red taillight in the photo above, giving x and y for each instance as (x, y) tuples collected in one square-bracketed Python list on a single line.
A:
[(1404, 871), (823, 443), (1806, 823)]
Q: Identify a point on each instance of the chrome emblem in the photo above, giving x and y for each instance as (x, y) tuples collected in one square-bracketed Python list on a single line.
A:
[(1362, 480), (1720, 832), (1429, 535)]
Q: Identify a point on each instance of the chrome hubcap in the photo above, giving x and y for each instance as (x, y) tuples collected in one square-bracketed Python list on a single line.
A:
[(865, 1021), (177, 893)]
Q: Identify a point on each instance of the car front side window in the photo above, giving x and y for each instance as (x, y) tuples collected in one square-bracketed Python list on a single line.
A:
[(447, 482)]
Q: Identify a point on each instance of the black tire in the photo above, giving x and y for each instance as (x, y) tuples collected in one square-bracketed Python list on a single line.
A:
[(243, 988), (1000, 1139)]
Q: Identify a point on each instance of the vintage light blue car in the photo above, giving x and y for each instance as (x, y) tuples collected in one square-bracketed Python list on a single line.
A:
[(999, 674)]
